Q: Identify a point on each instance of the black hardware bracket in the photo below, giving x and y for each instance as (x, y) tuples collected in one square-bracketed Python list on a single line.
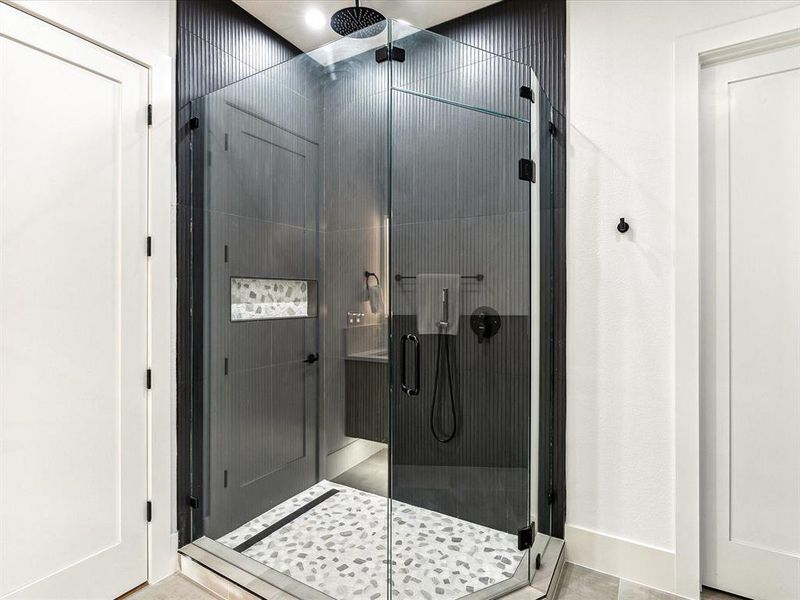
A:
[(149, 246), (149, 378), (396, 54), (552, 129), (194, 502), (194, 123), (525, 537), (149, 511), (311, 358), (527, 170), (527, 93), (149, 114), (623, 227)]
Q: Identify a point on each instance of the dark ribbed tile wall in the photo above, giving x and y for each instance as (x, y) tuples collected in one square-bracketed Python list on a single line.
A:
[(534, 32), (218, 43)]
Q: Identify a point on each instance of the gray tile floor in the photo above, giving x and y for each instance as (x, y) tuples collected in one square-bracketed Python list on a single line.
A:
[(371, 475), (579, 583), (174, 587)]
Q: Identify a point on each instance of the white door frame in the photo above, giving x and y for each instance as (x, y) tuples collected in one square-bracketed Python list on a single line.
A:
[(771, 31), (161, 468)]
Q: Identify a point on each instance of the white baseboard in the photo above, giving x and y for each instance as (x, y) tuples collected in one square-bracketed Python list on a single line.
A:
[(349, 456), (652, 567)]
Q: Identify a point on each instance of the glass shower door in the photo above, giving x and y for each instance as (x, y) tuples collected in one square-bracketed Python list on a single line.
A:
[(461, 352)]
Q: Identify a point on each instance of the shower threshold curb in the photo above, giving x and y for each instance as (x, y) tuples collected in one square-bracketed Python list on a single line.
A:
[(221, 570)]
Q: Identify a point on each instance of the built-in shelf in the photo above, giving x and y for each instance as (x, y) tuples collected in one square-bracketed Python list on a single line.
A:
[(258, 299)]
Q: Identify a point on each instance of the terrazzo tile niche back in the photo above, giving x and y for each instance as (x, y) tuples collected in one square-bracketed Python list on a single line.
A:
[(341, 547), (258, 299)]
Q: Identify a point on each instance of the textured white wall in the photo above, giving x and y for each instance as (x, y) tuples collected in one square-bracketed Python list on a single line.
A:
[(620, 392), (129, 22)]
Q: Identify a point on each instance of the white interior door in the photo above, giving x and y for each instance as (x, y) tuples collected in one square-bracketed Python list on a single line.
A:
[(73, 315), (750, 171)]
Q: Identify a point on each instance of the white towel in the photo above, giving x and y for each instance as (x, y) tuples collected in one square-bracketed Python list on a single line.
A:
[(375, 294), (429, 302)]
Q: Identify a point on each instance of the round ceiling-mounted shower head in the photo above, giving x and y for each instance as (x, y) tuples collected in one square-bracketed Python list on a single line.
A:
[(358, 21)]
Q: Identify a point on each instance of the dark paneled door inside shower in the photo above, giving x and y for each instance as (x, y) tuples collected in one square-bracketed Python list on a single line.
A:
[(461, 314), (261, 232)]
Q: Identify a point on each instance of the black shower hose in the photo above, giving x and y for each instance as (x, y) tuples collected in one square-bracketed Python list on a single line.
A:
[(445, 438)]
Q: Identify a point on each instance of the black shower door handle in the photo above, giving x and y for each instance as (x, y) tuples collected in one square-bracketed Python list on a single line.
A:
[(411, 391)]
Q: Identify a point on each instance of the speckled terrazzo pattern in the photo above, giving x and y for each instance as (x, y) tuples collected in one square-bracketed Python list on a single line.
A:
[(340, 548), (255, 299)]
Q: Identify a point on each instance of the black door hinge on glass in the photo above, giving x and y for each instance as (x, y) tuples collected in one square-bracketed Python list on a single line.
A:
[(527, 170), (525, 537), (384, 53)]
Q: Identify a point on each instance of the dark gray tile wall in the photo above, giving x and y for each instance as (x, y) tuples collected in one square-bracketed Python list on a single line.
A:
[(355, 196), (534, 32), (218, 43), (458, 206)]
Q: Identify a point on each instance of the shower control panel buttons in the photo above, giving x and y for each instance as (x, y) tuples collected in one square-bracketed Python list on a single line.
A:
[(485, 322)]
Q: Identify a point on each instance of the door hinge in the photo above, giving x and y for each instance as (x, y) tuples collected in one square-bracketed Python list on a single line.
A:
[(194, 502), (149, 114), (226, 252), (527, 170), (551, 128), (225, 478), (194, 123), (149, 246), (527, 93), (149, 378), (551, 497), (149, 511), (226, 365), (525, 537), (226, 142), (396, 54)]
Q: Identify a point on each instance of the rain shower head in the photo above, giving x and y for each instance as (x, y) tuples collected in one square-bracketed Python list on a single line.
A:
[(358, 21)]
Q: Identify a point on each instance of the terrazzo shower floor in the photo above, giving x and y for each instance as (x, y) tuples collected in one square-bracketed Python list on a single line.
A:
[(339, 547)]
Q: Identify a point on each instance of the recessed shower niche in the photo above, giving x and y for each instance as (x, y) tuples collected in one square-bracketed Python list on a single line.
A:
[(259, 299), (392, 454)]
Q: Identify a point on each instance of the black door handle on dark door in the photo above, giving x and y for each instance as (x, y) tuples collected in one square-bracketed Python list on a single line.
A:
[(312, 358)]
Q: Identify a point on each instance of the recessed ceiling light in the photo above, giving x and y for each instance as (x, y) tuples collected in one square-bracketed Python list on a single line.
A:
[(315, 19)]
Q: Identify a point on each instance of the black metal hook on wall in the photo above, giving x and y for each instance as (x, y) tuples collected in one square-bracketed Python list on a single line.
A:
[(623, 227)]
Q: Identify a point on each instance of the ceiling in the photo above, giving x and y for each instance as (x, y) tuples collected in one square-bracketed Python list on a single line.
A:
[(287, 17)]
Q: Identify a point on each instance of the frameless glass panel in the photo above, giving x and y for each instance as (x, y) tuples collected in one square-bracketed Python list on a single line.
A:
[(291, 188), (461, 241), (437, 67), (291, 218)]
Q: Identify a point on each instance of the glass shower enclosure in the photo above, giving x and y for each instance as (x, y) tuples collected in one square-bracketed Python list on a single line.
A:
[(365, 234)]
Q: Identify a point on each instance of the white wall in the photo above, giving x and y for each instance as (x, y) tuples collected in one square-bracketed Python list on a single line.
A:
[(145, 31), (620, 343)]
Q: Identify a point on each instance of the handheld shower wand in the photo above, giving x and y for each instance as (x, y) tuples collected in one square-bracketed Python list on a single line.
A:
[(444, 324)]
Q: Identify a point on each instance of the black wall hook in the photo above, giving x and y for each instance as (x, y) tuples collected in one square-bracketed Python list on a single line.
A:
[(623, 226)]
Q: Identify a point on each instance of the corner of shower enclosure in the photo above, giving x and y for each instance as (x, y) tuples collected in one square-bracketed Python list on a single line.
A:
[(353, 431)]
